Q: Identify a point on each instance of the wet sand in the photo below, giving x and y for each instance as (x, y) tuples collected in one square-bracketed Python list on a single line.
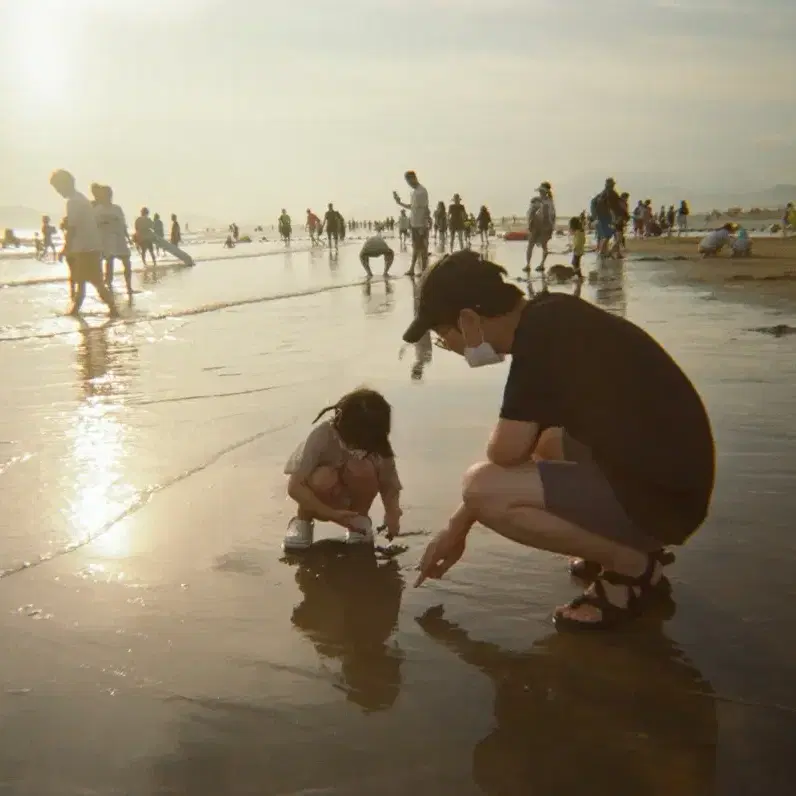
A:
[(160, 644)]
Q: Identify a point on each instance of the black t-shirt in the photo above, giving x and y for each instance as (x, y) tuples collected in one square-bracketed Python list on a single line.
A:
[(614, 389), (457, 215), (331, 219)]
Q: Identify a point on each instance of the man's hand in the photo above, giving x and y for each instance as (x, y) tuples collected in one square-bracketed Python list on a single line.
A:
[(443, 552), (396, 196), (392, 519)]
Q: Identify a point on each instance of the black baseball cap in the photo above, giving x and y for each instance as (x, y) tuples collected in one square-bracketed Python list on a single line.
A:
[(459, 281)]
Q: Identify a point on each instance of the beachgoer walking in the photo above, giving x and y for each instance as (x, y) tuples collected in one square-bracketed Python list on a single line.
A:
[(671, 220), (175, 234), (376, 246), (607, 208), (418, 218), (82, 244), (603, 451), (331, 220), (441, 224), (541, 220), (404, 229), (113, 231), (313, 226), (48, 238), (336, 473), (484, 222), (159, 228), (285, 227), (145, 236), (457, 221)]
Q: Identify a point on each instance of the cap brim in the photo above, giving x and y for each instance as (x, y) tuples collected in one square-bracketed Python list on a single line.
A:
[(416, 330)]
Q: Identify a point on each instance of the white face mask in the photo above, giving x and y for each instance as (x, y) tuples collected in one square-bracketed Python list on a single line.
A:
[(482, 354)]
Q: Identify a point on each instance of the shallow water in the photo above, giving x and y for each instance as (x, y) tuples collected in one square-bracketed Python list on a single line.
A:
[(158, 643)]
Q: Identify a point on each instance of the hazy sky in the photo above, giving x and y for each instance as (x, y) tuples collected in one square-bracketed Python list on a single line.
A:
[(235, 108)]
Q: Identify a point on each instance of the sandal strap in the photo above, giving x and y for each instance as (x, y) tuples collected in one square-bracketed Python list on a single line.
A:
[(643, 582), (610, 614)]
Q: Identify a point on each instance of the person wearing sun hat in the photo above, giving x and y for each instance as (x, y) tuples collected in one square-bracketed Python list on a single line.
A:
[(602, 450), (541, 219)]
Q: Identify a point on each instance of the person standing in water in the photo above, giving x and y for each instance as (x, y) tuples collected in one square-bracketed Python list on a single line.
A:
[(313, 225), (175, 235), (484, 222), (145, 236), (159, 229), (441, 224), (541, 224), (82, 244), (47, 238), (113, 231), (285, 227), (331, 220), (457, 220), (418, 219), (404, 229)]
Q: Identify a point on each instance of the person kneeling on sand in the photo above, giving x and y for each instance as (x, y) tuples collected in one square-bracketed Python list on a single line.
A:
[(603, 449), (336, 473), (716, 240), (376, 246)]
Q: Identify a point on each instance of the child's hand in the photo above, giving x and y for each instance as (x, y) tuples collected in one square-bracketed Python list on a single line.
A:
[(345, 517), (392, 519)]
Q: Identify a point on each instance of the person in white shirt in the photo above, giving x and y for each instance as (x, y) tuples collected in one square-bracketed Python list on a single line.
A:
[(404, 228), (419, 213), (113, 231), (541, 218), (83, 243), (716, 240), (376, 246)]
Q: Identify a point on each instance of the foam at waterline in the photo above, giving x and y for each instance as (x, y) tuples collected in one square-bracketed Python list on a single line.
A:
[(186, 313), (171, 264)]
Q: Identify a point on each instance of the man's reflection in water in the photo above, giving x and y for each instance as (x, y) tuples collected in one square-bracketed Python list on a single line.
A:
[(609, 281), (578, 714), (423, 347), (351, 599), (377, 306)]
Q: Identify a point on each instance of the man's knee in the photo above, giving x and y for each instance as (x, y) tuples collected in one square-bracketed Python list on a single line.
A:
[(550, 445), (480, 485)]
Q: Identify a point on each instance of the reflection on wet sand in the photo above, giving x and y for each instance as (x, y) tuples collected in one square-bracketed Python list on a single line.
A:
[(98, 434), (609, 282), (587, 714), (351, 600), (423, 347), (378, 305)]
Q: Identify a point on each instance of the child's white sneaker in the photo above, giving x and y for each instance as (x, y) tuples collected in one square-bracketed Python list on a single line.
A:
[(299, 535), (361, 532)]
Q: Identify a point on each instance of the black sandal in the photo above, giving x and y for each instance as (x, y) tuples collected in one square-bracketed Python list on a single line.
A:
[(589, 571), (612, 615)]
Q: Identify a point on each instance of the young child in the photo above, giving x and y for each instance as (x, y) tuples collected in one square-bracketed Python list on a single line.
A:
[(578, 243), (336, 473)]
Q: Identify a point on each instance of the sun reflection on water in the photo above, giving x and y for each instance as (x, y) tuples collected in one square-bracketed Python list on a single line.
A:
[(101, 491)]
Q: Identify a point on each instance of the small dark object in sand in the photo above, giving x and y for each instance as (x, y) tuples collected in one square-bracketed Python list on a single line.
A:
[(780, 330), (561, 273)]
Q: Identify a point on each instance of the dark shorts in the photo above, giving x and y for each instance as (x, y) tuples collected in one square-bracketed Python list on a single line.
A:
[(85, 267), (419, 238), (604, 228), (576, 490)]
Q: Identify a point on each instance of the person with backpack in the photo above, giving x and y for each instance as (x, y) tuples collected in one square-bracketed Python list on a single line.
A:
[(541, 223)]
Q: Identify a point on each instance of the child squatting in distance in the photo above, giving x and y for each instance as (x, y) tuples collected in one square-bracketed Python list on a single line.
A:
[(336, 473)]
